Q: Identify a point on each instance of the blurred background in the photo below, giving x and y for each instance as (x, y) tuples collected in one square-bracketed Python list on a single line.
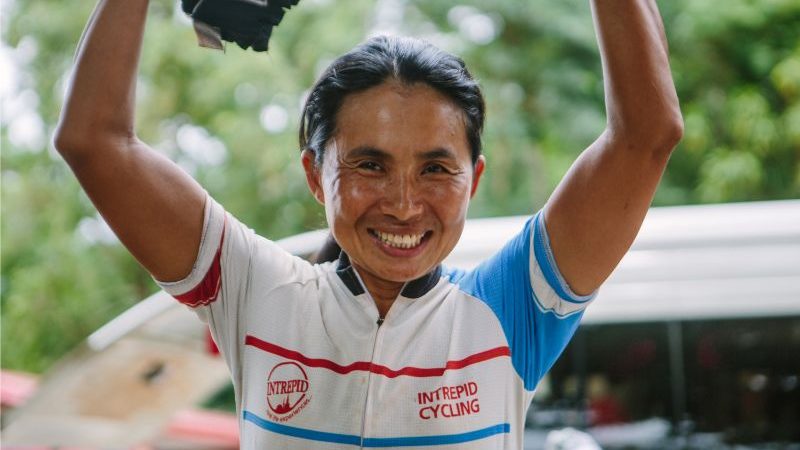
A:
[(231, 119)]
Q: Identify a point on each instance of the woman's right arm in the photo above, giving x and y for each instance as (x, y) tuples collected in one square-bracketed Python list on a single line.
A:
[(153, 206)]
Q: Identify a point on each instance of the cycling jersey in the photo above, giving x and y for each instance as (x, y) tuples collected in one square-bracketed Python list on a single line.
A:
[(454, 363)]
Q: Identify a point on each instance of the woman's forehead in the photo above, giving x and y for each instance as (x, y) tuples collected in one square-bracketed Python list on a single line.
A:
[(395, 117)]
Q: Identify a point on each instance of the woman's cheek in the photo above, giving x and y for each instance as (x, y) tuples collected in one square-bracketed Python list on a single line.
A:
[(452, 196), (354, 193)]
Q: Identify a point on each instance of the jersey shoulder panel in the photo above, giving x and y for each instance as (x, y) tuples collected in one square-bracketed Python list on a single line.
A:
[(233, 266), (522, 286)]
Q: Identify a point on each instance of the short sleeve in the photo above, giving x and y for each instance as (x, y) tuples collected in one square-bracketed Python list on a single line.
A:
[(538, 311), (203, 284), (221, 283)]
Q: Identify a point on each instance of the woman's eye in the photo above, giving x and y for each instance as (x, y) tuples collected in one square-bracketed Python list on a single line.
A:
[(433, 168), (369, 165)]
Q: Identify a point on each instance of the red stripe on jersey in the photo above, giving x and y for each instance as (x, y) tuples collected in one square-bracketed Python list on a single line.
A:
[(211, 345), (207, 290), (377, 368)]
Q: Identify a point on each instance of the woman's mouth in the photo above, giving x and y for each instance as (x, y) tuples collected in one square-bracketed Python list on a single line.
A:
[(400, 241)]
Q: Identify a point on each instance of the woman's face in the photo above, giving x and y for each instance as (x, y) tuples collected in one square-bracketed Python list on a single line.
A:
[(396, 179)]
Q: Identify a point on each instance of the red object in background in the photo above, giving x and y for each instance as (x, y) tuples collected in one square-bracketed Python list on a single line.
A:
[(206, 428), (637, 356), (708, 357), (606, 410), (16, 387)]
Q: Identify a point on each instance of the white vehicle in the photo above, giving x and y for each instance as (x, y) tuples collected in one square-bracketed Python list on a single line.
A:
[(694, 341)]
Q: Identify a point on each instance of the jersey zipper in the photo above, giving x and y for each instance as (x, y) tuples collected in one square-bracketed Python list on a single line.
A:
[(369, 383), (379, 321)]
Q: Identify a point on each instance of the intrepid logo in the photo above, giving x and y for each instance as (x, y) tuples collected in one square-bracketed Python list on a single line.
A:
[(449, 401), (287, 391)]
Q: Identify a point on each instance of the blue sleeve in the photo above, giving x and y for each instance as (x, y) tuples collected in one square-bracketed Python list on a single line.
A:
[(536, 308)]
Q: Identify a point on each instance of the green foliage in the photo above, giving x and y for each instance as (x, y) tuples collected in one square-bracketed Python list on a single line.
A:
[(736, 64), (737, 71)]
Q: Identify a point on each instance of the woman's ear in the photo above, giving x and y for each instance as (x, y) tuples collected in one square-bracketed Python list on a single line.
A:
[(477, 171), (313, 175)]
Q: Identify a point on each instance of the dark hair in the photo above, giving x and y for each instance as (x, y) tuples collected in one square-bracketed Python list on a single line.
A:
[(404, 59), (381, 58)]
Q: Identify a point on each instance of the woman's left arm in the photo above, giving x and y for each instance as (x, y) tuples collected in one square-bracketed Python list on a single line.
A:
[(595, 212)]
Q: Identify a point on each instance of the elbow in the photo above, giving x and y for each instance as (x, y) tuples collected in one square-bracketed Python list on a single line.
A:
[(64, 141), (70, 139), (76, 149), (663, 140), (67, 143), (77, 144), (657, 137), (668, 128), (671, 133)]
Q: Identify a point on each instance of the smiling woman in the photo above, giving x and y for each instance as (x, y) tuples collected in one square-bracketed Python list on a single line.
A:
[(382, 346), (396, 181), (391, 139)]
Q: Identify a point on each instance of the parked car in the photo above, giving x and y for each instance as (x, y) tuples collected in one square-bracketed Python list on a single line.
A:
[(694, 341)]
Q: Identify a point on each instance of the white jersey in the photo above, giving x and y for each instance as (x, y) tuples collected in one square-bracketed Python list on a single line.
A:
[(454, 364)]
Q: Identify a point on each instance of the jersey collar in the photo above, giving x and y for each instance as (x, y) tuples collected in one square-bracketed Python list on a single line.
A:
[(413, 289)]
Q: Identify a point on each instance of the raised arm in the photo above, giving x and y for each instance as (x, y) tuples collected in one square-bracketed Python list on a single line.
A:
[(596, 211), (153, 206)]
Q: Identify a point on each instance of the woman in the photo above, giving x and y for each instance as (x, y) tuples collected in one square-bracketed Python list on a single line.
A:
[(383, 347)]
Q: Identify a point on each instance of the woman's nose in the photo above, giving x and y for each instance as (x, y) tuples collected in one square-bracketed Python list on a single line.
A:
[(401, 200)]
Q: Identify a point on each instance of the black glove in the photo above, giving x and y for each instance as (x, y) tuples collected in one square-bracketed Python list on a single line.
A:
[(248, 23)]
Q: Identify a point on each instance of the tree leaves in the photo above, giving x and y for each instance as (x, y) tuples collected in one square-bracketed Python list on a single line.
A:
[(736, 64)]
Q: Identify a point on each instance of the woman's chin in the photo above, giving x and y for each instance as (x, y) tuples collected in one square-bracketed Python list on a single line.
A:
[(396, 271), (405, 271)]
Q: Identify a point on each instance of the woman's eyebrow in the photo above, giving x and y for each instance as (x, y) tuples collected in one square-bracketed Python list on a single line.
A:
[(366, 151), (437, 153)]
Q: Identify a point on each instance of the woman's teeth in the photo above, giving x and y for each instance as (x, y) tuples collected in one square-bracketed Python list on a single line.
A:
[(400, 240)]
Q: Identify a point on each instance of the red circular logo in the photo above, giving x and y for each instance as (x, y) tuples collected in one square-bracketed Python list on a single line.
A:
[(287, 386)]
